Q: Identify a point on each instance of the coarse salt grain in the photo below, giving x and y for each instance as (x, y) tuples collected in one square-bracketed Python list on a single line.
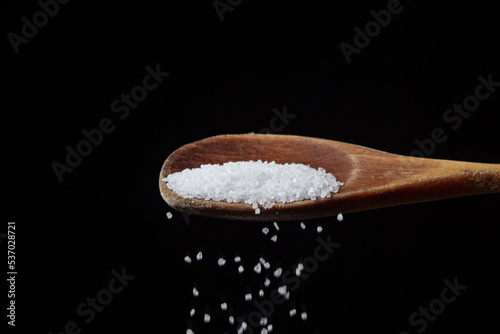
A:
[(282, 290), (319, 229), (248, 297), (270, 328), (187, 259), (237, 259), (192, 312), (340, 217), (257, 268), (276, 226), (267, 282), (303, 316), (199, 256), (241, 269), (253, 182), (223, 306), (277, 272), (169, 215), (302, 225), (189, 331), (265, 230), (206, 318), (293, 312), (231, 319), (261, 293), (221, 261), (274, 238), (195, 292)]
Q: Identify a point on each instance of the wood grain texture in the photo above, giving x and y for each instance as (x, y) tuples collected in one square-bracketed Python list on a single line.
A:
[(372, 179)]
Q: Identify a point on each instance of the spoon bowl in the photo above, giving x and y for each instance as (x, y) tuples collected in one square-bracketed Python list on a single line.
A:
[(372, 179)]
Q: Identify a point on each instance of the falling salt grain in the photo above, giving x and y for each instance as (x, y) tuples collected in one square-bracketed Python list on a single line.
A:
[(223, 306), (267, 265), (261, 293), (187, 259), (241, 269), (195, 292), (265, 230), (192, 312), (263, 331), (282, 290), (319, 229), (293, 312), (270, 328), (199, 256), (263, 321), (253, 182), (257, 268), (169, 215), (302, 225), (303, 316), (221, 262), (276, 226), (340, 217), (231, 319), (237, 259), (274, 238), (206, 318), (267, 282), (287, 295), (277, 272), (189, 331), (248, 297)]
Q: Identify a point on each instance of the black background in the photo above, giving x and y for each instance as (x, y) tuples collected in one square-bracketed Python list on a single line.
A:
[(226, 77)]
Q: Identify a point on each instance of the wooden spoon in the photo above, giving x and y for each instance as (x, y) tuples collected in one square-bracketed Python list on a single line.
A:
[(372, 179)]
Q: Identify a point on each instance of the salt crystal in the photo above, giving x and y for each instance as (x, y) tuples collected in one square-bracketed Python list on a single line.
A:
[(263, 321), (293, 312), (274, 238), (303, 316), (253, 182), (199, 256), (302, 225), (319, 229), (206, 318), (261, 293), (287, 295), (169, 215), (192, 312), (237, 259), (276, 226), (267, 282), (277, 272), (195, 292), (221, 262), (187, 259), (263, 331), (223, 306), (267, 265), (282, 290), (265, 230), (340, 217), (257, 268), (189, 331), (231, 319), (248, 297), (270, 328), (241, 269)]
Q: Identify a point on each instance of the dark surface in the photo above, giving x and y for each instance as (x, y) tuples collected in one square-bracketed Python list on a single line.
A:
[(227, 77)]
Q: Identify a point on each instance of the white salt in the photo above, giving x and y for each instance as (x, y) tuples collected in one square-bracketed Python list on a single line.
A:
[(265, 230), (263, 321), (276, 226), (221, 261), (282, 290), (274, 238), (270, 328), (192, 312), (277, 272), (189, 331), (223, 306), (169, 215), (187, 259), (263, 331), (267, 282), (195, 292), (340, 217), (303, 316), (257, 268), (199, 256), (287, 295), (319, 229), (261, 293), (241, 269), (253, 182), (293, 312), (237, 259), (248, 297), (302, 225), (231, 319), (206, 318)]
